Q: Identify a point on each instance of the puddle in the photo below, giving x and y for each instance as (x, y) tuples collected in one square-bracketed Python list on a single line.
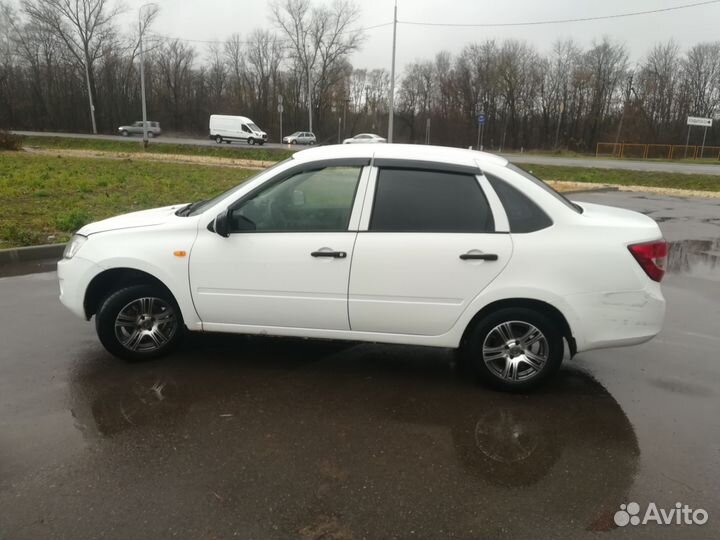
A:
[(695, 257)]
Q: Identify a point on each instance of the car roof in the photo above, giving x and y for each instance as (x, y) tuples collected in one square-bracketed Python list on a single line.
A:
[(420, 152)]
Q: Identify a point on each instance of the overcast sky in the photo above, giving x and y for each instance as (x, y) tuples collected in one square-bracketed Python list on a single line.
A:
[(218, 19)]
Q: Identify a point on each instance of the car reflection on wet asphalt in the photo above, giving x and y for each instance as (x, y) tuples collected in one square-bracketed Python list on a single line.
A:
[(282, 438)]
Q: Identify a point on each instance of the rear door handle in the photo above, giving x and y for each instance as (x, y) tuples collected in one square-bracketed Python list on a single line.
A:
[(479, 257), (333, 254)]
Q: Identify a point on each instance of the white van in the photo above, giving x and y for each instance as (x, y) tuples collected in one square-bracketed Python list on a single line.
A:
[(235, 128)]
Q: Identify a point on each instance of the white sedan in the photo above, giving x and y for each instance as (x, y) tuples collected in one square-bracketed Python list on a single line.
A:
[(365, 138), (448, 248)]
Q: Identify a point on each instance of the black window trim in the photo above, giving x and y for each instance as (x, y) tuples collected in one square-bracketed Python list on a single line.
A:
[(293, 171), (428, 166), (422, 165)]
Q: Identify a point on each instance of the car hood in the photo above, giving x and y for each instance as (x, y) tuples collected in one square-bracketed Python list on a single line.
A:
[(143, 218)]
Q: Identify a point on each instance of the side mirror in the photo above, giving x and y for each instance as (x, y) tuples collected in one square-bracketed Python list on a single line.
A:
[(222, 224)]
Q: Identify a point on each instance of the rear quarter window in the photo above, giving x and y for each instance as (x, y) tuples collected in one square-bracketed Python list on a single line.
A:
[(524, 215)]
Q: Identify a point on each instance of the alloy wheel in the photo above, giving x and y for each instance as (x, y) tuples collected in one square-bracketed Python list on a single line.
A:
[(145, 325), (515, 351)]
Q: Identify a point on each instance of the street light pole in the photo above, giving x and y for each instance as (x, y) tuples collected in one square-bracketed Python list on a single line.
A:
[(309, 85), (90, 97), (142, 75), (142, 84), (392, 79)]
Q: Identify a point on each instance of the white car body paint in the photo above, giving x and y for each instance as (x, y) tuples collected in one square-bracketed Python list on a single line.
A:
[(408, 288)]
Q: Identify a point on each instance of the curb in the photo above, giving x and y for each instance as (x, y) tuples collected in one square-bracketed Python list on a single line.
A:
[(591, 190), (31, 253)]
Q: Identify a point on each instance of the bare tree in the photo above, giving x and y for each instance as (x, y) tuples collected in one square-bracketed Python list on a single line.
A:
[(320, 40), (263, 56), (702, 76), (85, 27)]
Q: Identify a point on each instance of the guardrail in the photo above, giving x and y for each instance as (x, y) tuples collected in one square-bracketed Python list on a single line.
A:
[(656, 151)]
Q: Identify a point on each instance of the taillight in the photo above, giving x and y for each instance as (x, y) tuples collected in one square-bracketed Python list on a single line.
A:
[(652, 256)]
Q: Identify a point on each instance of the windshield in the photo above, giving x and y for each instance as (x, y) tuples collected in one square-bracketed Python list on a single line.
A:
[(254, 127), (534, 179), (198, 207)]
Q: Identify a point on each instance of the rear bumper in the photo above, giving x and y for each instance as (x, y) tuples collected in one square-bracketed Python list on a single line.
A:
[(74, 276), (617, 319)]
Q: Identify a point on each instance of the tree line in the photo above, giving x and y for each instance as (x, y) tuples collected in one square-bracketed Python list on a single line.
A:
[(56, 56)]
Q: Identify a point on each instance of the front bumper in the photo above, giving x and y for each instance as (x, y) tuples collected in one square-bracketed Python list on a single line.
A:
[(74, 276)]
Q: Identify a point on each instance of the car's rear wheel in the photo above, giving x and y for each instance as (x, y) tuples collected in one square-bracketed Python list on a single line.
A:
[(218, 139), (515, 349), (139, 322)]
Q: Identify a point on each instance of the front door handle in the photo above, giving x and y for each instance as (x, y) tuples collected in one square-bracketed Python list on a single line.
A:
[(333, 254), (479, 257)]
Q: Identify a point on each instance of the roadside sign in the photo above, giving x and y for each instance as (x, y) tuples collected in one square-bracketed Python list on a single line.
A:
[(480, 119), (280, 99), (280, 108), (698, 121)]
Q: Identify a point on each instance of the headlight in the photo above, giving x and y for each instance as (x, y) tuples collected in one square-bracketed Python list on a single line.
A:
[(74, 245)]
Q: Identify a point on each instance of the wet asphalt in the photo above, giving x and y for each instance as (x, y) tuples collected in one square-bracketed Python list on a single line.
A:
[(238, 437)]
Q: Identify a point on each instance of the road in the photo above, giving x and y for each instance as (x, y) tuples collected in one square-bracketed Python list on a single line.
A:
[(632, 165), (277, 438), (138, 139)]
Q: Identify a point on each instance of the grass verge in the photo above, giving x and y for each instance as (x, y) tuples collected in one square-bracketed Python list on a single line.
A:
[(134, 145), (45, 199), (693, 182)]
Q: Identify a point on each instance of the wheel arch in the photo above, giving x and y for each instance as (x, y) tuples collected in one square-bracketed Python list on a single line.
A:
[(529, 303), (113, 279)]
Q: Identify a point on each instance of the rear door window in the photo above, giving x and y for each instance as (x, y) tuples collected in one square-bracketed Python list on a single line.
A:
[(413, 200)]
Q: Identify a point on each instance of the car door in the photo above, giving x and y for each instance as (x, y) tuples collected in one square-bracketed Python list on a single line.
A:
[(429, 242), (286, 262)]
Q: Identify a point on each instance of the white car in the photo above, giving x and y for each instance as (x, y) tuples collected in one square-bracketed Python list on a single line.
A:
[(415, 245), (365, 138), (300, 137)]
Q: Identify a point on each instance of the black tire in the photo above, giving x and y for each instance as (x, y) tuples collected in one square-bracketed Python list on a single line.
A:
[(251, 141), (151, 135), (124, 133), (519, 320), (125, 300), (218, 139), (293, 141)]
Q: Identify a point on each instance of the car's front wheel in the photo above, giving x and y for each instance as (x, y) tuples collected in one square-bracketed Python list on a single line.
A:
[(124, 133), (139, 322), (251, 141), (515, 349)]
